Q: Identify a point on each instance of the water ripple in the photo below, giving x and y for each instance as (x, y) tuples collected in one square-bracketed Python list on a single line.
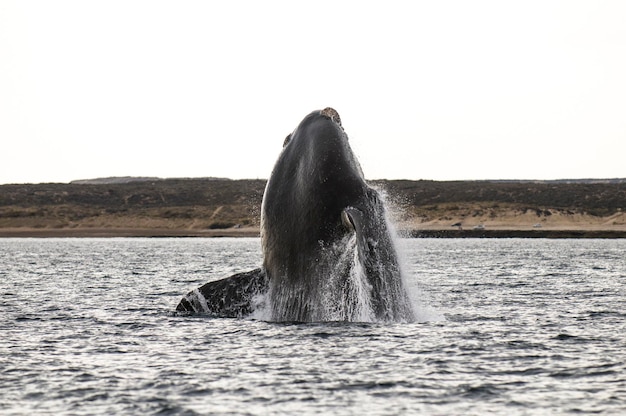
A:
[(532, 327)]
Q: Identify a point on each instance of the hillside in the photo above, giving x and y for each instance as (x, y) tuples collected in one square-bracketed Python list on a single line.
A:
[(202, 206), (509, 204)]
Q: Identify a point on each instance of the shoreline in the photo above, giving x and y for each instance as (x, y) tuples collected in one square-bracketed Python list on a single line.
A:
[(124, 232), (23, 232), (495, 233)]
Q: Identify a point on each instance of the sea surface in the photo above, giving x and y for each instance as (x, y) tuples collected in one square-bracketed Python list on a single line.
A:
[(506, 326)]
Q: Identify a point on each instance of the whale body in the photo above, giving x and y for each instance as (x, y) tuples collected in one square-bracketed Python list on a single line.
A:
[(328, 251)]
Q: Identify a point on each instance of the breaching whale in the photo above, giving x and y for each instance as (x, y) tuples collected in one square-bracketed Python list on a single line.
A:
[(328, 252)]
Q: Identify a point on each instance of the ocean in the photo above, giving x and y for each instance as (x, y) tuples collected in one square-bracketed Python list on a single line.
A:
[(505, 326)]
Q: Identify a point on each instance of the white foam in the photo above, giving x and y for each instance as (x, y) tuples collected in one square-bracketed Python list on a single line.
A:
[(198, 300)]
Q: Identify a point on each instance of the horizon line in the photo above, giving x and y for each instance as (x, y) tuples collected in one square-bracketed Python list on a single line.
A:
[(128, 179)]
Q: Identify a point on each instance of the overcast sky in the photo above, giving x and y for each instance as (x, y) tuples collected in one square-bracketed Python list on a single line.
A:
[(426, 89)]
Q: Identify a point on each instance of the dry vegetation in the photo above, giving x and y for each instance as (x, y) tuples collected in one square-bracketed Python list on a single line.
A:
[(164, 204), (509, 205), (220, 204)]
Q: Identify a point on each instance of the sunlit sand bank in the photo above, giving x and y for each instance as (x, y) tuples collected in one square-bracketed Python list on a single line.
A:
[(580, 231)]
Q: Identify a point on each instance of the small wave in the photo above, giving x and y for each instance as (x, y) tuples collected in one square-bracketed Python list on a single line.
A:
[(573, 338), (480, 391), (583, 372)]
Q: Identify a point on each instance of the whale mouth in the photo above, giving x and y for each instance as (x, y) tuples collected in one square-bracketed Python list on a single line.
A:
[(332, 114)]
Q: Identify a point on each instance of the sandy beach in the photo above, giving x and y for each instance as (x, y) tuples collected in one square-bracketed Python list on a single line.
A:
[(418, 231), (470, 220), (123, 232)]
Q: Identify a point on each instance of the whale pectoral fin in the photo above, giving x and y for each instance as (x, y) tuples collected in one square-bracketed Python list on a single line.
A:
[(352, 219), (374, 235), (367, 217), (229, 297)]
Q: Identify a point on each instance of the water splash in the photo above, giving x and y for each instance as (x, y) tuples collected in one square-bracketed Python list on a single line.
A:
[(346, 288), (418, 298), (342, 291)]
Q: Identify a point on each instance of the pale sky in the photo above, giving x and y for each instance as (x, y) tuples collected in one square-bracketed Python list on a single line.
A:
[(440, 90)]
